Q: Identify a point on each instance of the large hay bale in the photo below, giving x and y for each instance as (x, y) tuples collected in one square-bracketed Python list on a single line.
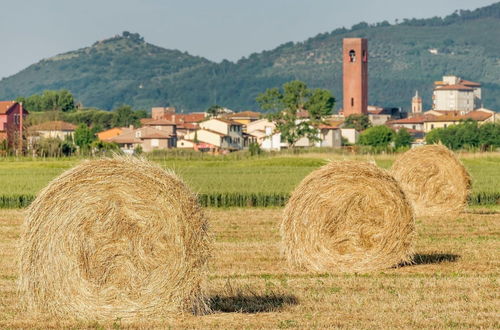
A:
[(435, 181), (114, 238), (348, 217)]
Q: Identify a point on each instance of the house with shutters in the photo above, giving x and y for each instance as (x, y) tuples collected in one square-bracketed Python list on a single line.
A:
[(217, 134)]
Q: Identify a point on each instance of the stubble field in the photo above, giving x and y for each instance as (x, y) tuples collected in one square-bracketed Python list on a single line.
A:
[(453, 283)]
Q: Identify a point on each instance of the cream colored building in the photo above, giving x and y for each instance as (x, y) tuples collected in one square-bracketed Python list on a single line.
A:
[(441, 119), (53, 129), (456, 94), (231, 133), (148, 138)]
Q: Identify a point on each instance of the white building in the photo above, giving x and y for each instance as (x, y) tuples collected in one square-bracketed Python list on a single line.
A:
[(350, 134), (456, 94), (218, 133)]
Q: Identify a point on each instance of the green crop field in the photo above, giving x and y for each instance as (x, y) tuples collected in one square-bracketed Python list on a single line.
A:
[(220, 176)]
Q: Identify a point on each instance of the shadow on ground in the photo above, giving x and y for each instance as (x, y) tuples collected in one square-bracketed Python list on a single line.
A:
[(251, 303), (431, 258)]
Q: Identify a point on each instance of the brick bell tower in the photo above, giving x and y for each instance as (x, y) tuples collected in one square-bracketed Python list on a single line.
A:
[(355, 72)]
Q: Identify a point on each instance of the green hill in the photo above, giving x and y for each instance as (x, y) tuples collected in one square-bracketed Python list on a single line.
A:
[(125, 69)]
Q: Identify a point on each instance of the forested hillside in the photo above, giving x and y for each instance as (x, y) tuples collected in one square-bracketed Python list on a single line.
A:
[(125, 69)]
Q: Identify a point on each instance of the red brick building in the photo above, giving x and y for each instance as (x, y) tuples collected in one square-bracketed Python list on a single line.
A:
[(11, 121), (355, 75)]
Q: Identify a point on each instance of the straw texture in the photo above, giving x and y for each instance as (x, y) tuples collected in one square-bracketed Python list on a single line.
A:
[(348, 217), (434, 180), (114, 238)]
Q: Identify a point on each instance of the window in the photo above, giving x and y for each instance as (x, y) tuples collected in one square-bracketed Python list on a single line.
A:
[(445, 125), (432, 126), (352, 56), (352, 101), (414, 127), (138, 134)]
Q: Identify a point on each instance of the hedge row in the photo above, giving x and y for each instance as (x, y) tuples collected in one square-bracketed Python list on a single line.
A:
[(240, 200)]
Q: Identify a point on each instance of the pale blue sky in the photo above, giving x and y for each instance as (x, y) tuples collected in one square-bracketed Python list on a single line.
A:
[(31, 30)]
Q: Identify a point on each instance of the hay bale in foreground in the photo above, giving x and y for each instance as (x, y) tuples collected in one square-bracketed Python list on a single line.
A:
[(435, 181), (348, 217), (114, 238)]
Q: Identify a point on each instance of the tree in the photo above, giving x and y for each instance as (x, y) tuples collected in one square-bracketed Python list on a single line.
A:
[(83, 137), (467, 134), (284, 104), (358, 122), (125, 116), (489, 136), (214, 110), (377, 136), (402, 138), (61, 100)]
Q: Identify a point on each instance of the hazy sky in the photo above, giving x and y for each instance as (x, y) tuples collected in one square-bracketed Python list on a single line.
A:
[(31, 30)]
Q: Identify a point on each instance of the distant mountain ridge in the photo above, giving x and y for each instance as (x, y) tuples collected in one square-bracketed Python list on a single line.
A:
[(127, 70)]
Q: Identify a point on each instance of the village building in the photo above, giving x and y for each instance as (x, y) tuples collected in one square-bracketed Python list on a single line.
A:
[(244, 117), (148, 138), (53, 129), (456, 94), (350, 135), (216, 134), (160, 124), (12, 116), (112, 132), (161, 112), (441, 119)]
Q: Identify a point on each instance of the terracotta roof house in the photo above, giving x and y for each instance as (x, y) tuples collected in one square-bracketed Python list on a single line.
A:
[(148, 138), (112, 132), (11, 121), (53, 129), (454, 117), (454, 93), (165, 125)]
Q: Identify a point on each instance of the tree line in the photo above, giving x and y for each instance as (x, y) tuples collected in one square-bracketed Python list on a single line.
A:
[(467, 135)]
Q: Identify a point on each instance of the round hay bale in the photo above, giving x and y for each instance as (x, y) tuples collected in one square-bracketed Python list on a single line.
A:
[(348, 217), (435, 181), (114, 238)]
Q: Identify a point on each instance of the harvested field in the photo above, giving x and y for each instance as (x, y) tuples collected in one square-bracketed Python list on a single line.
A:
[(454, 282)]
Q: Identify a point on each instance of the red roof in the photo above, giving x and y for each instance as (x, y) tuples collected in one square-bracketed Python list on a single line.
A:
[(54, 126), (187, 126), (454, 87), (146, 133), (6, 105), (185, 118), (156, 122), (455, 116), (469, 83), (478, 115), (410, 120)]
